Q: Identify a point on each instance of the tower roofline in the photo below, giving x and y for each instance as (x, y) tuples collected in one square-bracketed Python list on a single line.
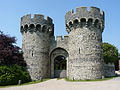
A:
[(36, 19), (84, 14)]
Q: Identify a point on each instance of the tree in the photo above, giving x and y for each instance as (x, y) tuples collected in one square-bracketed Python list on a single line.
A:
[(110, 54), (10, 53)]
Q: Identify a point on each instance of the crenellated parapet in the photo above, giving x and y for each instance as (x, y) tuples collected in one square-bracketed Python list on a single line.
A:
[(37, 23), (60, 38), (84, 17)]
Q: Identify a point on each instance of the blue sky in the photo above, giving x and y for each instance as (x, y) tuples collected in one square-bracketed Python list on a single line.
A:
[(13, 10)]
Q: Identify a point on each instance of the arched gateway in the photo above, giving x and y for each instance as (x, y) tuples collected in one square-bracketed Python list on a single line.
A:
[(59, 59), (79, 53)]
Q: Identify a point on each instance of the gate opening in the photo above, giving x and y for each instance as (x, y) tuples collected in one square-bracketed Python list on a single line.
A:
[(60, 67)]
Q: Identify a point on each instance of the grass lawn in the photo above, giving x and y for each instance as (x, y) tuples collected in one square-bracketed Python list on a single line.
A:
[(39, 81), (107, 78), (32, 82)]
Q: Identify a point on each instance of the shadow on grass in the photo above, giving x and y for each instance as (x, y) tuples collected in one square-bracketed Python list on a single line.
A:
[(28, 83)]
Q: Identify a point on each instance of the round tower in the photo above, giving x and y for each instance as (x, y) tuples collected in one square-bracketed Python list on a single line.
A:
[(37, 32), (85, 27)]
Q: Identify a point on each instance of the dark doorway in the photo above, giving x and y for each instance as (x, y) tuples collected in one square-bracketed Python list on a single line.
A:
[(60, 67)]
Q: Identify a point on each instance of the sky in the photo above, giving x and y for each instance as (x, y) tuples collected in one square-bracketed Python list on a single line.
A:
[(13, 10)]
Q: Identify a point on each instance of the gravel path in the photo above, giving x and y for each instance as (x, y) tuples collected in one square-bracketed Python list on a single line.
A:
[(54, 84)]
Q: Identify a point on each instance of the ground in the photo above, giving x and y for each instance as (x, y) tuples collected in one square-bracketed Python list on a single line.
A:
[(54, 84)]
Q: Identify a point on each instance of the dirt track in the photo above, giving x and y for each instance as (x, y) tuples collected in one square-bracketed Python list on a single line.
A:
[(54, 84)]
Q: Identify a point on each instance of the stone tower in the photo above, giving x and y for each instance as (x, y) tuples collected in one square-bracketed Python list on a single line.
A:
[(36, 32), (77, 56), (85, 29)]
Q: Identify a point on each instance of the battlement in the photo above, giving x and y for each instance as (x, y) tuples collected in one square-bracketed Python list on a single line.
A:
[(83, 16), (37, 18), (60, 38), (37, 23), (87, 11)]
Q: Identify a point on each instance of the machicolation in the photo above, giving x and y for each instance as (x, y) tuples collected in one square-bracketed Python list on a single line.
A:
[(37, 23), (84, 18)]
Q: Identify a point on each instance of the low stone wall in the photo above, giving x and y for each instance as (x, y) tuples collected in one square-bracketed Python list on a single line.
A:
[(109, 69)]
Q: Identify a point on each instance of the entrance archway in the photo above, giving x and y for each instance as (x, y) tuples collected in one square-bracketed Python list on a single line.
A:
[(60, 67), (58, 59)]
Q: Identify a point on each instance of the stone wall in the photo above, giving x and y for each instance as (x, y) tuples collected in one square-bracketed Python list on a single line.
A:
[(85, 39), (36, 33), (60, 42), (60, 73), (36, 51), (109, 69)]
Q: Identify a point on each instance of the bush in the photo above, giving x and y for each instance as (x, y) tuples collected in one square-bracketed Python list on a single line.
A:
[(10, 75)]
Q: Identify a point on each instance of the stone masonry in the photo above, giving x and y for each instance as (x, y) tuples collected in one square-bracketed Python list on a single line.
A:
[(81, 47)]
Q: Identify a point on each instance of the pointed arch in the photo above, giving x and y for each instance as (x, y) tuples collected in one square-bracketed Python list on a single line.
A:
[(26, 27)]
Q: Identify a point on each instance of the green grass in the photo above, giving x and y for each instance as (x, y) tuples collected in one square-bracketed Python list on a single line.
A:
[(32, 82), (107, 78), (39, 81)]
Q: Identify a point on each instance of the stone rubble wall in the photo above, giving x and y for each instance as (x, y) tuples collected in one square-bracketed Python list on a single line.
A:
[(60, 42), (85, 29), (60, 73), (36, 50), (37, 33), (109, 69), (85, 55)]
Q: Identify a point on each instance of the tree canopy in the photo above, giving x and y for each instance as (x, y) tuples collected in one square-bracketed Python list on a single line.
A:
[(10, 53), (110, 53)]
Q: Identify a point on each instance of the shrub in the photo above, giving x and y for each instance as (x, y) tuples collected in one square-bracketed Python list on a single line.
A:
[(10, 75)]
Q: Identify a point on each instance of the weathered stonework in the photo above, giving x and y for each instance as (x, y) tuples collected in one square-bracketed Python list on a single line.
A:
[(36, 33), (85, 39), (109, 69), (81, 47)]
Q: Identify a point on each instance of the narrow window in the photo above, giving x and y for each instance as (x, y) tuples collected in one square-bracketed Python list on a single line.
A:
[(21, 29), (32, 53), (79, 50)]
